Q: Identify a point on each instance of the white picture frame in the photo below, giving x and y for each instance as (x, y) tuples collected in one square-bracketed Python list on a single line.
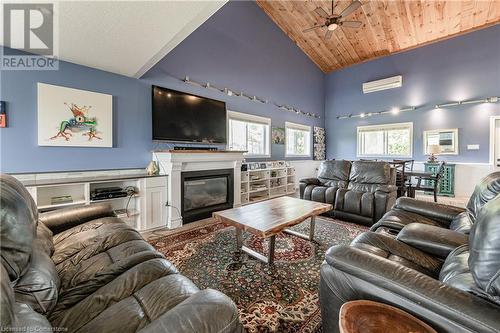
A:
[(69, 117), (447, 139)]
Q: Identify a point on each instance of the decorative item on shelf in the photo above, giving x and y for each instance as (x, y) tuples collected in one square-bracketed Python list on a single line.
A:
[(152, 168), (278, 135), (273, 173), (319, 143), (433, 150)]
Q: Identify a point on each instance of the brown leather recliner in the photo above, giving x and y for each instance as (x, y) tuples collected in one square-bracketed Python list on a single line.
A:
[(360, 191), (81, 269)]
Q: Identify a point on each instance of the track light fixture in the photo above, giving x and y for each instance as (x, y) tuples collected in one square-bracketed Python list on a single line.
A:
[(397, 110), (231, 92)]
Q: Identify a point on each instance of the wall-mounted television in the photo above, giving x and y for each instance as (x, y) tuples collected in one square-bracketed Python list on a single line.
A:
[(182, 117)]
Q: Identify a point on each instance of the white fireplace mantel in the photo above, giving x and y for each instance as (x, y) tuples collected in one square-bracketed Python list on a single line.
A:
[(173, 162)]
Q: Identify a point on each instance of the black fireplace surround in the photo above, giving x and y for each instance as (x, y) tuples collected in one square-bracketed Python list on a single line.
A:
[(205, 192)]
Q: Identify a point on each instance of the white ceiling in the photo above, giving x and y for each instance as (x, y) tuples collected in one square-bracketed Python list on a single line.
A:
[(126, 37)]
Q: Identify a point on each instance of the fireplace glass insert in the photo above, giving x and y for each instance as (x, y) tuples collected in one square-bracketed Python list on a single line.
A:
[(204, 192)]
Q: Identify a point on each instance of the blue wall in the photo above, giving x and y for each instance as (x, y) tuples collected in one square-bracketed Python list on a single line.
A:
[(131, 122), (465, 67), (239, 47)]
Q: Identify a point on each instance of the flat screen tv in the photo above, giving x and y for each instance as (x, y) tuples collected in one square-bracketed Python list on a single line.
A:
[(178, 116)]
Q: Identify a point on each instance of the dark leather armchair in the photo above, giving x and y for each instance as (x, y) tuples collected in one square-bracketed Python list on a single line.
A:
[(370, 193), (332, 175), (408, 210), (360, 191), (447, 279), (82, 269)]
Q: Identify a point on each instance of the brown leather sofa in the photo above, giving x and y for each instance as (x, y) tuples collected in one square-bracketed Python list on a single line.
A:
[(83, 270), (447, 278), (360, 191)]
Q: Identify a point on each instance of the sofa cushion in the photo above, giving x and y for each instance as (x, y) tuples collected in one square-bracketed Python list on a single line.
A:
[(44, 237), (74, 312), (387, 247), (28, 320), (359, 203), (484, 242), (6, 299), (70, 242), (39, 285), (370, 172), (324, 194), (93, 254), (455, 271), (397, 218), (461, 223), (334, 173), (486, 190), (18, 215)]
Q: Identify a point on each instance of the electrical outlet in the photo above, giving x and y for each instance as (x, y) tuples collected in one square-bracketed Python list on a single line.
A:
[(472, 147)]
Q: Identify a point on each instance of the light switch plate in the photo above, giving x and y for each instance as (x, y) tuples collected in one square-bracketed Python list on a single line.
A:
[(472, 147)]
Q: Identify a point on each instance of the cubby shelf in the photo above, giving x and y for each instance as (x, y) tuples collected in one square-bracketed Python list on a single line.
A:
[(269, 176)]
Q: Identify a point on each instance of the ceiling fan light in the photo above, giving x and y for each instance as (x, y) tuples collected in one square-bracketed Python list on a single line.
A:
[(333, 26)]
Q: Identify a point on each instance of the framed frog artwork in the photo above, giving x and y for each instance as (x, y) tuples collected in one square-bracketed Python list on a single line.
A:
[(74, 117)]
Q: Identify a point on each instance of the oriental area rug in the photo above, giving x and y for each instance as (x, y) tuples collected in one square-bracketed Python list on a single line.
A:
[(278, 298)]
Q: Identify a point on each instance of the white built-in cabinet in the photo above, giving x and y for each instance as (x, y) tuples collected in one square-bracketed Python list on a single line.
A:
[(144, 210), (155, 203)]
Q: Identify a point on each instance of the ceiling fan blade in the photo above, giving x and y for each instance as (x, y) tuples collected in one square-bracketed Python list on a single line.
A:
[(328, 34), (312, 28), (352, 7), (351, 24), (321, 12)]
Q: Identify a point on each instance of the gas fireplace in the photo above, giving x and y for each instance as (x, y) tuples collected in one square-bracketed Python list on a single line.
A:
[(204, 192)]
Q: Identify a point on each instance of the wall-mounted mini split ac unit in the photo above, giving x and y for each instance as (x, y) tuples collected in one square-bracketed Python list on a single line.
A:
[(389, 83)]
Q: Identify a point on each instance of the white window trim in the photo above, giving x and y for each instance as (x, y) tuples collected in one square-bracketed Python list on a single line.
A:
[(384, 126), (298, 127), (254, 119)]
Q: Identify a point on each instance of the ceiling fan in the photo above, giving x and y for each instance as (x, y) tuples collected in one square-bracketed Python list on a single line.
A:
[(333, 21)]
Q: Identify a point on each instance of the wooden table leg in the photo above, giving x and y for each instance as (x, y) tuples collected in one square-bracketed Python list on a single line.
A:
[(239, 240), (270, 254)]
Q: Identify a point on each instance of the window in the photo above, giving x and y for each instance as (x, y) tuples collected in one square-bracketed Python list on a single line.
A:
[(388, 140), (249, 133), (298, 139)]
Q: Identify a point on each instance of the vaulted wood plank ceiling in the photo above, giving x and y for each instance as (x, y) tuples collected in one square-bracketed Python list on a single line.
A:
[(387, 26)]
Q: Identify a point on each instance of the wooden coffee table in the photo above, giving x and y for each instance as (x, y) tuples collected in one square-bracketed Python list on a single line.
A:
[(270, 217)]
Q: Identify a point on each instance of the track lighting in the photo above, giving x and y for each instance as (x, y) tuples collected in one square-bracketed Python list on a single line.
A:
[(253, 98), (397, 110)]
